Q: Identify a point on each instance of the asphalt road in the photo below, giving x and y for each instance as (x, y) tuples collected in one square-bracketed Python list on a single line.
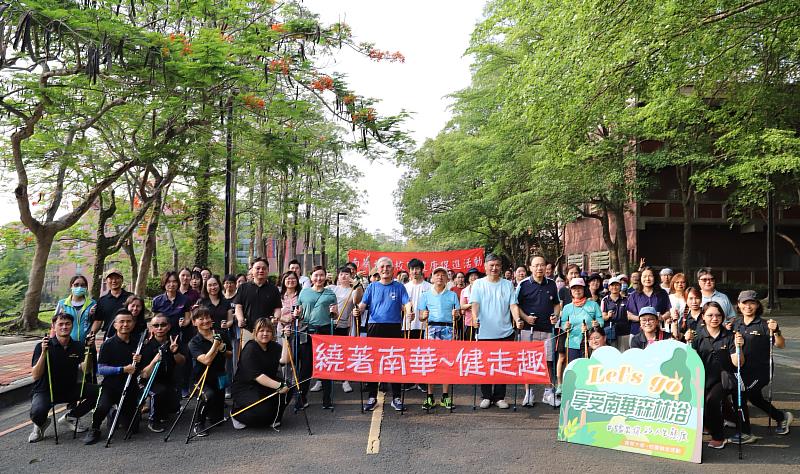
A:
[(465, 441)]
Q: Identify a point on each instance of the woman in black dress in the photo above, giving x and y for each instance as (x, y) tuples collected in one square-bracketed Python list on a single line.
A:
[(258, 376)]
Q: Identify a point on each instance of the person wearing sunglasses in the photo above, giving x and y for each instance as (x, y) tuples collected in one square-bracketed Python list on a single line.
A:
[(708, 288), (165, 398)]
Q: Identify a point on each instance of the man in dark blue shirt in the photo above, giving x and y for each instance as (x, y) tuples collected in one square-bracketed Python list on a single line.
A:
[(537, 305)]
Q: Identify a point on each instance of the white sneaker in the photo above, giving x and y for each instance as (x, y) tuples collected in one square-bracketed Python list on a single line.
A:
[(550, 399), (485, 403), (237, 425), (525, 400), (346, 387), (502, 404), (531, 397), (38, 431), (70, 422), (317, 387)]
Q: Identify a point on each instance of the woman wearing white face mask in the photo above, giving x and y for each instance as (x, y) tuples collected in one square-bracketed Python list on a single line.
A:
[(80, 306)]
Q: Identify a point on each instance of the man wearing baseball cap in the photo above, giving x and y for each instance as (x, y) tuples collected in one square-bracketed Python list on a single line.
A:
[(110, 303), (666, 278)]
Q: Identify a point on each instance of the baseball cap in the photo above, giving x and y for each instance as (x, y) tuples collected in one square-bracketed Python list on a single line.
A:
[(113, 271), (747, 295), (665, 271), (614, 280), (648, 310), (439, 269), (577, 282)]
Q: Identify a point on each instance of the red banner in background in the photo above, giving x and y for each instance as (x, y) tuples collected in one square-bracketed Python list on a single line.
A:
[(372, 359), (456, 260)]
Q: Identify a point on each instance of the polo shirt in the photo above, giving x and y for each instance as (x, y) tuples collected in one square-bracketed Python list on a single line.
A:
[(64, 361), (715, 353), (385, 302), (622, 326), (257, 301), (174, 309), (639, 341), (659, 300), (415, 291), (576, 315), (117, 353), (107, 307), (440, 306), (755, 349), (722, 299), (199, 346), (538, 299)]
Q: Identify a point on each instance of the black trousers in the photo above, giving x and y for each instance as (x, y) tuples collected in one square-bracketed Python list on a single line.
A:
[(495, 392), (110, 396), (164, 401), (40, 403), (384, 331), (712, 411), (755, 396), (265, 413), (306, 364)]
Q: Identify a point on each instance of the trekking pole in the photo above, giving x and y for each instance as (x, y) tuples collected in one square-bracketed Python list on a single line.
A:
[(739, 394), (407, 336), (455, 338), (297, 379), (188, 400), (142, 398), (584, 330), (83, 384), (238, 412), (769, 392), (50, 386), (554, 355), (360, 384), (516, 385), (199, 401), (121, 403), (474, 386)]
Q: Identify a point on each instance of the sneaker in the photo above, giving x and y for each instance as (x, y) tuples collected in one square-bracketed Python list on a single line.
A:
[(327, 405), (67, 422), (419, 387), (92, 436), (302, 404), (447, 402), (198, 430), (716, 444), (783, 426), (746, 438), (397, 404), (227, 394), (485, 403), (317, 387), (526, 399), (531, 398), (38, 431), (428, 403), (502, 404), (155, 426), (370, 405), (346, 388), (237, 425), (551, 399)]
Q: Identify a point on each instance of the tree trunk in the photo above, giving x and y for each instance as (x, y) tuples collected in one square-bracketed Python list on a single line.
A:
[(610, 244), (127, 246), (33, 296), (293, 250), (202, 198), (173, 247), (687, 200), (621, 239), (149, 246)]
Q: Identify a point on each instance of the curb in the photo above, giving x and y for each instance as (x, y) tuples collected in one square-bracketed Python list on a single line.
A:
[(16, 392)]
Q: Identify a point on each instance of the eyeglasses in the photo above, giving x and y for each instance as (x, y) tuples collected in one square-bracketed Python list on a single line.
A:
[(160, 325), (647, 321), (713, 316)]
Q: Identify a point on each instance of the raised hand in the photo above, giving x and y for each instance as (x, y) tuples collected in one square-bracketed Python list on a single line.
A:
[(173, 344)]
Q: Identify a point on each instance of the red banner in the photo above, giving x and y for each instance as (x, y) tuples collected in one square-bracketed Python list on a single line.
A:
[(372, 359), (456, 260)]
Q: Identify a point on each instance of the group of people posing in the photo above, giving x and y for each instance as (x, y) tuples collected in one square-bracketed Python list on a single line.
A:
[(245, 338)]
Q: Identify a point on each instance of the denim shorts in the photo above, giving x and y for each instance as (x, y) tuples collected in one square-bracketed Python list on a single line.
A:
[(440, 333)]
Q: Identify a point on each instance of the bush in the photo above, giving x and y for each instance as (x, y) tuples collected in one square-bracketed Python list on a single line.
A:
[(153, 288)]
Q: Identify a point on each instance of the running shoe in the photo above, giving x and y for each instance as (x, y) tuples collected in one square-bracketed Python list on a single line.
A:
[(370, 405), (397, 404), (783, 426), (447, 402), (429, 403)]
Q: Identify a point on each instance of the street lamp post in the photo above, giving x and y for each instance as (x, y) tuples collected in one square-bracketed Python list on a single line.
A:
[(338, 214)]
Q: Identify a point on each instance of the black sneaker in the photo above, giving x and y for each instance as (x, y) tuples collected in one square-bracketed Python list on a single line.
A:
[(327, 405), (199, 430), (155, 426), (92, 436), (428, 403)]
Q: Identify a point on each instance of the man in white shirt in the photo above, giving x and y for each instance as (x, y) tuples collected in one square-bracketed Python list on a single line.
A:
[(415, 287), (294, 266), (708, 287)]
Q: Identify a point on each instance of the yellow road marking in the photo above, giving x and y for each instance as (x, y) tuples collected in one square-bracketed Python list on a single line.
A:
[(374, 440)]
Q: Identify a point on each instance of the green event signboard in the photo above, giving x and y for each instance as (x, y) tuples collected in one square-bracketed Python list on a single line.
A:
[(641, 401)]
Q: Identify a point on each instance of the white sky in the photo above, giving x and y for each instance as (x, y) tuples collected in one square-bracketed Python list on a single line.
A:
[(432, 35)]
